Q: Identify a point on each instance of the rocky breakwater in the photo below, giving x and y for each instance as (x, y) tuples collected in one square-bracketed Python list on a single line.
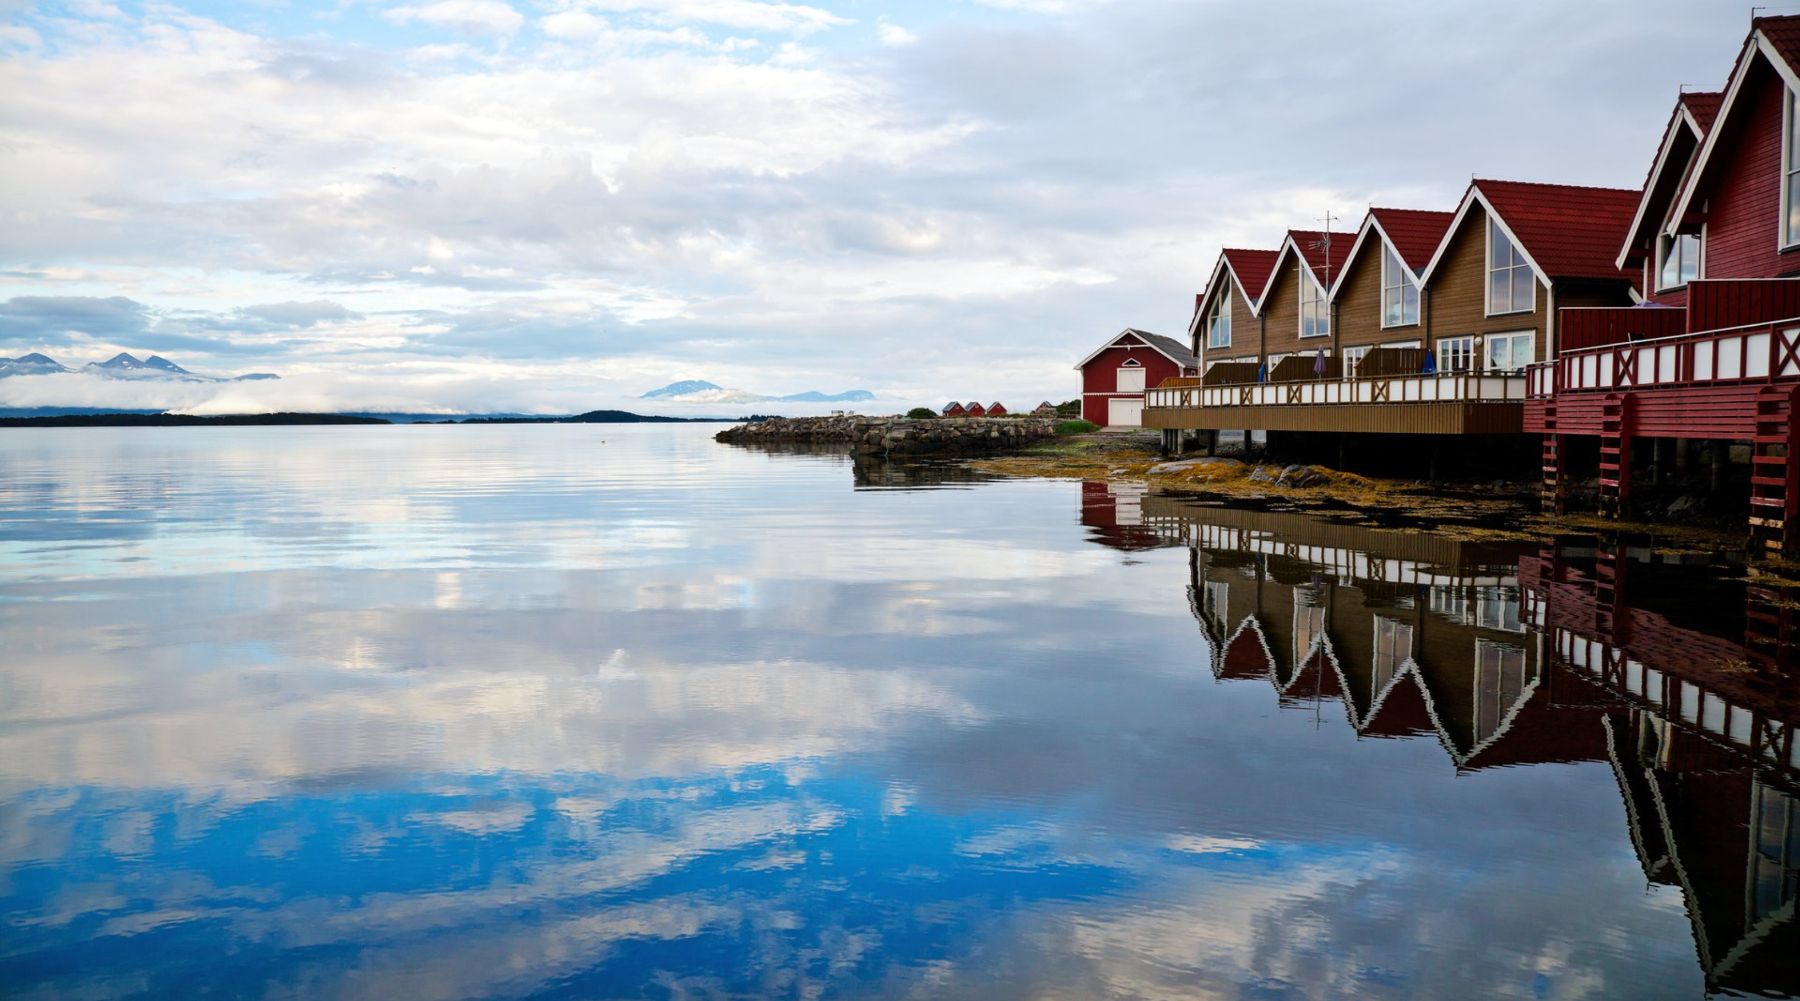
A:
[(898, 435)]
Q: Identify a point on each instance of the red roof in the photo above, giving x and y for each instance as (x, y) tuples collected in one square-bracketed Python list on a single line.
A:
[(1252, 268), (1415, 233), (1704, 106), (1571, 231), (1783, 33), (1325, 257)]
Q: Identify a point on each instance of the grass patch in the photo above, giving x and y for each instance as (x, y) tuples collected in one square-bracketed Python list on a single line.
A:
[(1075, 427)]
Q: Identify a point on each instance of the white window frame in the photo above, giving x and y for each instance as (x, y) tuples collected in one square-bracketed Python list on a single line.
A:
[(1443, 356), (1318, 304), (1388, 284), (1487, 342), (1487, 278), (1787, 238), (1353, 357), (1220, 317), (1664, 242)]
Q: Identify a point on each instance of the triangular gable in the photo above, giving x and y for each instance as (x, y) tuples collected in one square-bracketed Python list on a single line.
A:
[(1247, 269), (1562, 230), (1412, 234), (1692, 116), (1244, 660), (1144, 339), (1773, 39)]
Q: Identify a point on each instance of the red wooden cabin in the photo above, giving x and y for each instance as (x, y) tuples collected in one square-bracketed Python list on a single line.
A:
[(976, 409), (1717, 234), (996, 410), (1115, 375), (955, 410)]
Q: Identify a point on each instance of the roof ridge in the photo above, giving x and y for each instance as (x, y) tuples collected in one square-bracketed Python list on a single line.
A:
[(1555, 184)]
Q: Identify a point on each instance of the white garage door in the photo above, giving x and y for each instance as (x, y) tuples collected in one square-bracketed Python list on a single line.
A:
[(1124, 413)]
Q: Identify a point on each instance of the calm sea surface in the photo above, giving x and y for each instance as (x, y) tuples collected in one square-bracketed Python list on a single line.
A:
[(604, 712)]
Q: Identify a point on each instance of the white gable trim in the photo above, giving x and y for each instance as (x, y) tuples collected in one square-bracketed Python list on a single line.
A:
[(1462, 212), (1682, 114), (1121, 335), (1759, 47)]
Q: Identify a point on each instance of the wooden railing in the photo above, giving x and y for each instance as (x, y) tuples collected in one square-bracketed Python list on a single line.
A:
[(1448, 387), (1759, 353)]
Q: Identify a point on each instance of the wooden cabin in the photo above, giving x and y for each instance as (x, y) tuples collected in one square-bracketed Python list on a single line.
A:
[(955, 410), (975, 410), (1376, 300), (996, 410), (1115, 375), (1723, 364)]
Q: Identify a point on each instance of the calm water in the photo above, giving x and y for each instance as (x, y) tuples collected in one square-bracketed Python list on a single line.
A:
[(595, 712)]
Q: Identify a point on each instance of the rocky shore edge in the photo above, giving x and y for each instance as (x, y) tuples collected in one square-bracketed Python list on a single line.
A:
[(898, 435)]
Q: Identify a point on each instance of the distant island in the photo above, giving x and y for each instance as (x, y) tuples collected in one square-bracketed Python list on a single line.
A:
[(701, 391)]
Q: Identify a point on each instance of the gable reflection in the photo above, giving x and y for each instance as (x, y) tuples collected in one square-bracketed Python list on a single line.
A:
[(1516, 655)]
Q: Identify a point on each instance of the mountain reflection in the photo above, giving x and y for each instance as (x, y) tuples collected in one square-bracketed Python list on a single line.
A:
[(1510, 656)]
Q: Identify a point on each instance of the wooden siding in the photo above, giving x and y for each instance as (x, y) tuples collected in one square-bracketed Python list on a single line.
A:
[(1591, 328), (1718, 305), (1359, 301), (1459, 291), (1361, 418), (1281, 312), (1101, 374), (1677, 412)]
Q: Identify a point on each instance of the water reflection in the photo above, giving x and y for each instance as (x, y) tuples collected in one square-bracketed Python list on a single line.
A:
[(1514, 658), (601, 712)]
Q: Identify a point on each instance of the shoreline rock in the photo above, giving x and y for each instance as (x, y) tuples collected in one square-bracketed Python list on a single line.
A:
[(898, 435)]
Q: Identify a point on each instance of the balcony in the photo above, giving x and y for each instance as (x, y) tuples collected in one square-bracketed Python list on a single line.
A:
[(1410, 403), (1750, 355)]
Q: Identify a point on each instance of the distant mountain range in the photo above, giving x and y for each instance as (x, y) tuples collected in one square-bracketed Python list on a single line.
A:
[(701, 391), (120, 366)]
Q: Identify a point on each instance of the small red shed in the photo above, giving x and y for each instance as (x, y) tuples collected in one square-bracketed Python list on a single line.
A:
[(996, 410), (976, 409), (954, 410), (1114, 377)]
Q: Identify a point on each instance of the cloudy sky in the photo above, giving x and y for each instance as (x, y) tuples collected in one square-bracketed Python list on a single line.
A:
[(554, 205)]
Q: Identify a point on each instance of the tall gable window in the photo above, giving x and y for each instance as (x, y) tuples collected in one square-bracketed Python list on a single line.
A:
[(1679, 260), (1510, 282), (1218, 322), (1790, 173), (1399, 291), (1315, 312)]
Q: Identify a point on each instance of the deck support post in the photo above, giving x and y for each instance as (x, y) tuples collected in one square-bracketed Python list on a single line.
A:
[(1775, 474), (1615, 455), (1551, 490)]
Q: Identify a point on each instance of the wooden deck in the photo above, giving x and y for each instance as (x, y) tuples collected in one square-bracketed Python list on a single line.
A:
[(1358, 418)]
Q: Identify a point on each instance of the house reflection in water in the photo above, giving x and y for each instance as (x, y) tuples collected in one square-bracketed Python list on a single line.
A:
[(1514, 655)]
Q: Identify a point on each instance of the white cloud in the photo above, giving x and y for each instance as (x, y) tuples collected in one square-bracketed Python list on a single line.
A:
[(893, 34), (491, 17)]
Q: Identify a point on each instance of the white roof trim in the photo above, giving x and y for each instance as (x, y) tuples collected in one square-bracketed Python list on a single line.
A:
[(1760, 46), (1456, 222), (1131, 332), (1656, 171)]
